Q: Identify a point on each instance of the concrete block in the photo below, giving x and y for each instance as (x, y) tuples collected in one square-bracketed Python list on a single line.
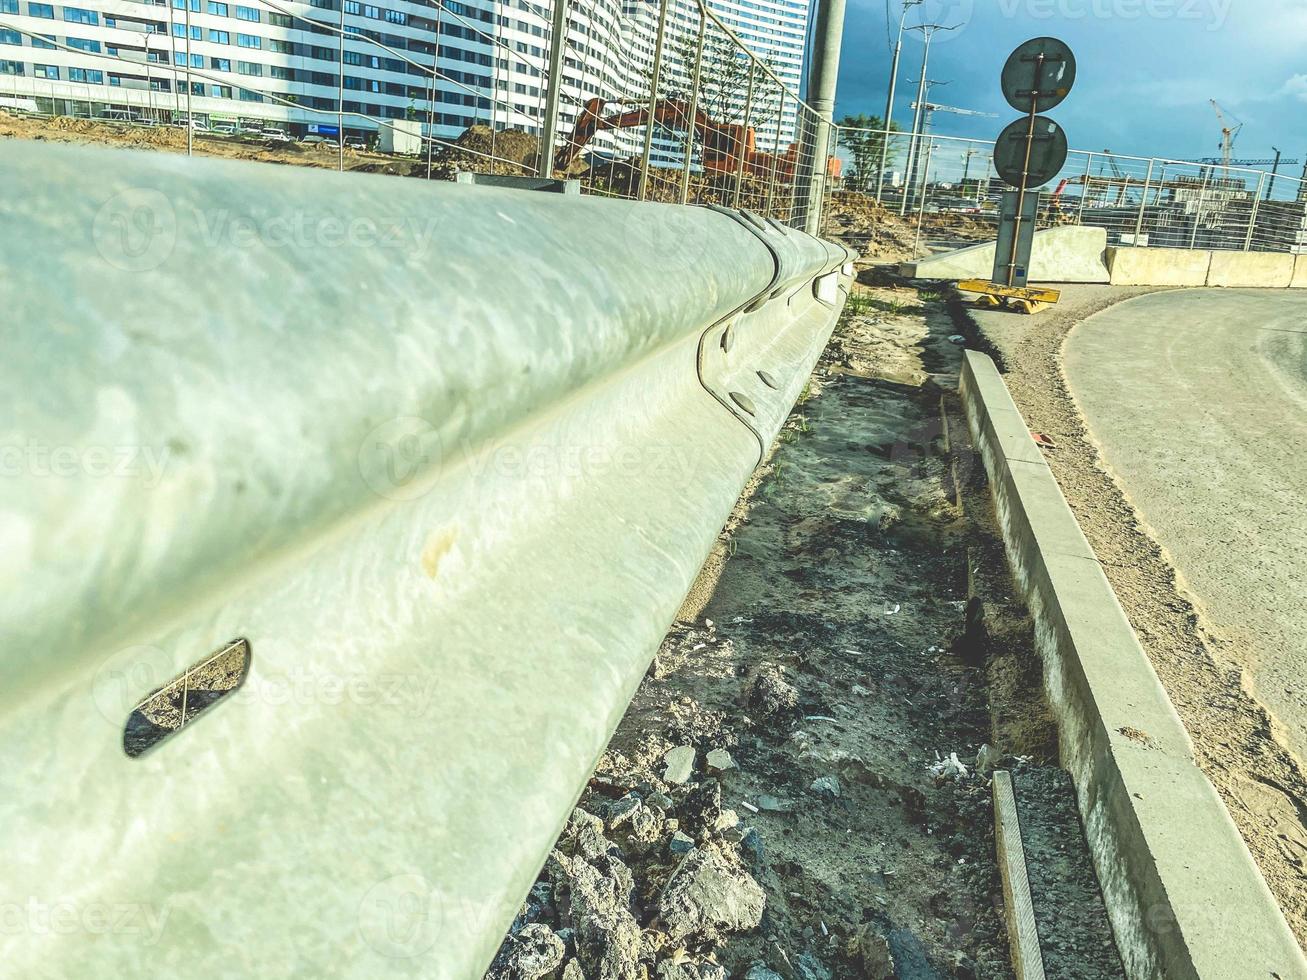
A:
[(1182, 891), (1299, 280), (1158, 266), (1258, 270), (1070, 254)]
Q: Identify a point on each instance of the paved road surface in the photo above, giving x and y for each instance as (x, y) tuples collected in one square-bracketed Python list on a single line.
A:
[(1198, 399)]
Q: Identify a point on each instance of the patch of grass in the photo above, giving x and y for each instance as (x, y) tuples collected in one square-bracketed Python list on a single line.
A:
[(806, 393)]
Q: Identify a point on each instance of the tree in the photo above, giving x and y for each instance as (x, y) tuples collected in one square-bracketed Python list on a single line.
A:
[(864, 137)]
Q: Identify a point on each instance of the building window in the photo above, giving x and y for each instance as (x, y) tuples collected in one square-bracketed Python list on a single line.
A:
[(249, 41), (46, 71), (219, 37), (217, 9), (76, 15), (9, 7), (396, 17), (10, 37), (82, 44), (220, 64), (88, 75), (248, 96), (248, 13), (249, 68), (221, 91), (44, 10), (11, 68), (353, 7), (43, 41)]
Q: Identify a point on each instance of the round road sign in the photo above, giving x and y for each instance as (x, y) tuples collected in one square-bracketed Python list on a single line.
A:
[(1048, 152), (1041, 72)]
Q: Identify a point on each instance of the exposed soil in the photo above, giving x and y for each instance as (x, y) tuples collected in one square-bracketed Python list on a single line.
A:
[(882, 235), (794, 791), (516, 149), (1262, 783)]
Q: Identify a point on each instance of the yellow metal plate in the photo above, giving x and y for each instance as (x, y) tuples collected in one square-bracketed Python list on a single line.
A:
[(987, 288)]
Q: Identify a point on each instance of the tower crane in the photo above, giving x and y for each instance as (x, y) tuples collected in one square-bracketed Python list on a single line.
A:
[(1230, 127)]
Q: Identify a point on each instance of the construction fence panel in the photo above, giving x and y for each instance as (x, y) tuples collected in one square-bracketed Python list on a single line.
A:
[(948, 188)]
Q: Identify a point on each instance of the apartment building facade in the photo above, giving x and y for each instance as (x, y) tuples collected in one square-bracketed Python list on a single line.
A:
[(284, 62)]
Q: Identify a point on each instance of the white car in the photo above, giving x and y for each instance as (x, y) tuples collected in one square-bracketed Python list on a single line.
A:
[(276, 136), (225, 129)]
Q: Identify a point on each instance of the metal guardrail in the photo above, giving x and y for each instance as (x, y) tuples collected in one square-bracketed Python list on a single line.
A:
[(754, 146), (954, 190), (441, 460)]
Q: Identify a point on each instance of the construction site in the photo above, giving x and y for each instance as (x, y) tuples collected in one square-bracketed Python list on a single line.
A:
[(668, 534)]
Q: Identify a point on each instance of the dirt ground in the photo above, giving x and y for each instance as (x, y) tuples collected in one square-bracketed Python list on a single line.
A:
[(829, 711), (469, 153), (1262, 783), (881, 235)]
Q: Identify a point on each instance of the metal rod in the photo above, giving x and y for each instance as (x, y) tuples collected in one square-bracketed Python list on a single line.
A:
[(775, 156), (557, 52), (1252, 218), (809, 179), (1198, 214), (921, 214), (431, 103), (340, 91), (643, 192), (1143, 203), (691, 124), (1084, 188), (742, 149), (190, 125)]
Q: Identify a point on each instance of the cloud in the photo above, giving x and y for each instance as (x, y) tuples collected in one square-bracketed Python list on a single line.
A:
[(1294, 88)]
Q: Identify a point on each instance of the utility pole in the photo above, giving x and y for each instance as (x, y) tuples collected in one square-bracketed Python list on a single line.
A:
[(557, 49), (889, 101), (828, 38), (928, 32)]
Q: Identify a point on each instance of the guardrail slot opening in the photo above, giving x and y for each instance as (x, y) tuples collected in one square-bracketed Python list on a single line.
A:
[(169, 709)]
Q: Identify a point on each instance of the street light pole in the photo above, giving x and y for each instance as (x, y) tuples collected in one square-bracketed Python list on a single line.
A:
[(889, 101), (928, 31)]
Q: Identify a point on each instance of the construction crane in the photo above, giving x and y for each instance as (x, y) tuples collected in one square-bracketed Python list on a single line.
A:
[(1230, 127), (931, 107)]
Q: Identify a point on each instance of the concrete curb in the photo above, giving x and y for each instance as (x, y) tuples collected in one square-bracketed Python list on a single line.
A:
[(1184, 896)]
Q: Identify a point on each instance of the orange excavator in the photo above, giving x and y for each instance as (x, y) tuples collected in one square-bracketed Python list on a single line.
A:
[(728, 148)]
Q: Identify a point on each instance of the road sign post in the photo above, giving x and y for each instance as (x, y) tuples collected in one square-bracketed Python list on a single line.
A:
[(1037, 77)]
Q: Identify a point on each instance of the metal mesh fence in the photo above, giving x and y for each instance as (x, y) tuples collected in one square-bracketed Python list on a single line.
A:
[(949, 188), (658, 101)]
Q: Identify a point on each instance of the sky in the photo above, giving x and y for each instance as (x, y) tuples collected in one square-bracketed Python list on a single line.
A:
[(1147, 69)]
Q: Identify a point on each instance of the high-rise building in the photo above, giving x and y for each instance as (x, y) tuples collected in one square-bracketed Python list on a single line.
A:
[(277, 62)]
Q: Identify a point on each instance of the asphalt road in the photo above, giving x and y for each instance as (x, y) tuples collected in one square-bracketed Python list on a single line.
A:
[(1198, 400)]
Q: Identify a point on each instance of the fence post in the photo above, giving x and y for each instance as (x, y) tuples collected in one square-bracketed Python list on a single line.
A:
[(1084, 188), (1198, 213), (557, 52), (925, 187), (691, 123), (1252, 218), (1143, 203), (653, 101), (742, 143)]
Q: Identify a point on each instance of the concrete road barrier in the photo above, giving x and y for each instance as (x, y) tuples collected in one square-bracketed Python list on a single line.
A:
[(1158, 266), (1299, 280), (1264, 270), (1183, 893), (1070, 254)]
